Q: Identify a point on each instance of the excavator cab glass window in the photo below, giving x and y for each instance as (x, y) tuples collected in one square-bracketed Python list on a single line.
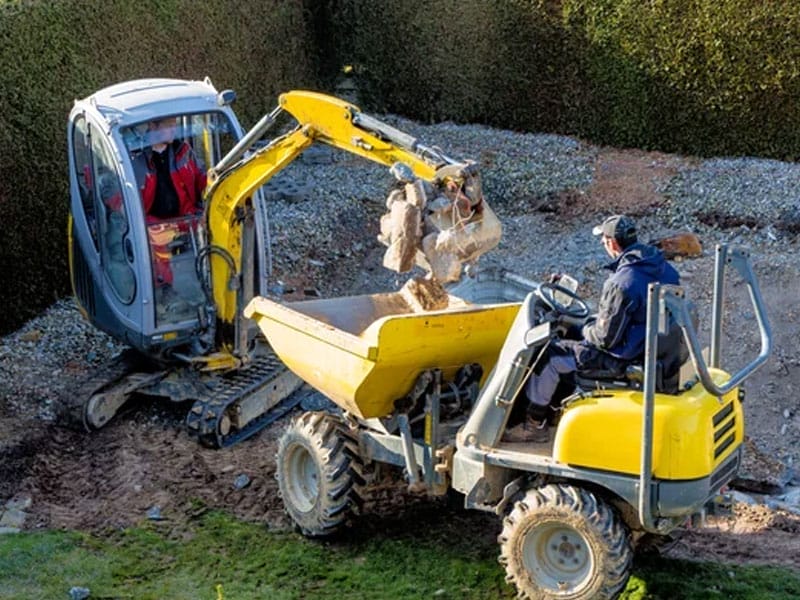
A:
[(112, 220), (81, 148), (171, 156), (210, 135), (100, 188)]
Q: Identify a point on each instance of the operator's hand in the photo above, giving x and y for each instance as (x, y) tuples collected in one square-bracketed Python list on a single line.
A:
[(569, 328)]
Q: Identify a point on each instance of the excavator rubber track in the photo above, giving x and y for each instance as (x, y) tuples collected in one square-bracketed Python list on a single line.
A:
[(264, 388), (265, 382), (117, 377)]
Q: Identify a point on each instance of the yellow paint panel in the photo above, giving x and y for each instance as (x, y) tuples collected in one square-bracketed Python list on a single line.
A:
[(605, 432), (365, 352)]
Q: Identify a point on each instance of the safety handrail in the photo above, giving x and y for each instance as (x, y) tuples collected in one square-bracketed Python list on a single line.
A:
[(664, 299), (739, 259)]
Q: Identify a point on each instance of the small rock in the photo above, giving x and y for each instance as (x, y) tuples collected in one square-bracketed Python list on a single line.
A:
[(34, 335), (786, 413), (316, 401), (6, 530), (78, 593), (241, 481), (13, 517), (742, 498), (154, 513), (277, 289), (792, 497), (21, 502)]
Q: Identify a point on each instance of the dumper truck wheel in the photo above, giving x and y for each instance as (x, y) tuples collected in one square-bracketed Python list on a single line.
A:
[(319, 473), (563, 542)]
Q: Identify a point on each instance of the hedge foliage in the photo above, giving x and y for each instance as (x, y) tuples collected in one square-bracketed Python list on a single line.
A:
[(55, 51), (708, 77), (704, 77)]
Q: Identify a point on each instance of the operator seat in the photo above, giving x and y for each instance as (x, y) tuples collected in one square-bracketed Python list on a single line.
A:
[(672, 352)]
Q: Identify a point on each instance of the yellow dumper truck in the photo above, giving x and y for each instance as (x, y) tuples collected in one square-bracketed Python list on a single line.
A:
[(431, 392)]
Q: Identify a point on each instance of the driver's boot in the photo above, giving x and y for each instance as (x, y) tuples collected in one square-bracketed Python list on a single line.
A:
[(530, 431)]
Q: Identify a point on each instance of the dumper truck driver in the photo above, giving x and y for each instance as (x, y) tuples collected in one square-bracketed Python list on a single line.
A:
[(611, 340)]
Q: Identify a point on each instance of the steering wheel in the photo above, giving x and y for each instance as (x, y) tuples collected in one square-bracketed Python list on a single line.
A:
[(578, 309)]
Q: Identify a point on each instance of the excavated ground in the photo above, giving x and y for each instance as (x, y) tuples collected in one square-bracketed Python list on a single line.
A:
[(144, 458)]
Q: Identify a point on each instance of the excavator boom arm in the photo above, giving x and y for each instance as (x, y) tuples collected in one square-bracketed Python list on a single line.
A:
[(248, 166)]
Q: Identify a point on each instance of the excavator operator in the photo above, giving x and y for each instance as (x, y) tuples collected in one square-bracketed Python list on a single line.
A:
[(171, 185)]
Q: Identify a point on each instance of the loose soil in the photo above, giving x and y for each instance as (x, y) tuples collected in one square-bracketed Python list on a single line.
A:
[(144, 458)]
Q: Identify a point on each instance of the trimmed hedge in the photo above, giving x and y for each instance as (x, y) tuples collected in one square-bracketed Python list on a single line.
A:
[(54, 51), (507, 64), (706, 77)]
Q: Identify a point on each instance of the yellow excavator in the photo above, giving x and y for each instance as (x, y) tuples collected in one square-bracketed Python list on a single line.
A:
[(173, 290)]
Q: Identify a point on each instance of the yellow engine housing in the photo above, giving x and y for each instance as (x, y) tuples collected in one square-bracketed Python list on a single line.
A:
[(693, 433)]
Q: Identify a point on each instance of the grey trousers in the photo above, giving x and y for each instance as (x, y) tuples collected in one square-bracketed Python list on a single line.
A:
[(562, 358)]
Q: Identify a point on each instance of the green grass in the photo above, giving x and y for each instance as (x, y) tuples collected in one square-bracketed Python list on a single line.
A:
[(408, 557)]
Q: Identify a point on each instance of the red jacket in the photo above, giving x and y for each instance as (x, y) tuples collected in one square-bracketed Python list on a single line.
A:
[(187, 177)]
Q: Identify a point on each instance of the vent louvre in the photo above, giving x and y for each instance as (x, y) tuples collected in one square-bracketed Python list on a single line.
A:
[(725, 473), (82, 277), (720, 416), (726, 443), (724, 429)]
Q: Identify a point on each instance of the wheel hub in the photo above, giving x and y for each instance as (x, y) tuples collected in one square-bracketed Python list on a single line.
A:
[(304, 480), (557, 556)]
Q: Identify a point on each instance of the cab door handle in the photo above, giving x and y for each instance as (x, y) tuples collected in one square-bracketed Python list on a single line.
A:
[(128, 250)]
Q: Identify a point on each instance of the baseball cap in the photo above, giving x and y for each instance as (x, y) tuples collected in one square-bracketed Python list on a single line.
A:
[(620, 227)]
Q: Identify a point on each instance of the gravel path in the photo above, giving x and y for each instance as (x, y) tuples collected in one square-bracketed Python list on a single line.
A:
[(325, 210)]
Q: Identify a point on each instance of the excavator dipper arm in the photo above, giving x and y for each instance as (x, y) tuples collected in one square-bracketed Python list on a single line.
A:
[(324, 119)]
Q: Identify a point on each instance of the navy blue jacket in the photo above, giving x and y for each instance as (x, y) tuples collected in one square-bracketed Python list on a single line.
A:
[(622, 313)]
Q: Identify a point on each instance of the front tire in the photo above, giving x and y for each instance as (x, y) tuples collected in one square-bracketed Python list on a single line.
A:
[(561, 542), (318, 472)]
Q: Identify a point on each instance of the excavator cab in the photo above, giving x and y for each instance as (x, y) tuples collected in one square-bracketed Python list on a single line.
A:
[(136, 275)]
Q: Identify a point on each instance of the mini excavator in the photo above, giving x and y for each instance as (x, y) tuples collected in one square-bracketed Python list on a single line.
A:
[(174, 290)]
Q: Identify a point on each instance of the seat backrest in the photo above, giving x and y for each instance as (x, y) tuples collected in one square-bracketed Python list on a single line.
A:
[(672, 352)]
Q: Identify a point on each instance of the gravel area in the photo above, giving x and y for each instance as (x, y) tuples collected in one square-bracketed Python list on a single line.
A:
[(753, 193), (528, 179), (325, 211)]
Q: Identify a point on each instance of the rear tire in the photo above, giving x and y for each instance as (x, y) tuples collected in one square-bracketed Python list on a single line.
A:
[(560, 541), (319, 473)]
